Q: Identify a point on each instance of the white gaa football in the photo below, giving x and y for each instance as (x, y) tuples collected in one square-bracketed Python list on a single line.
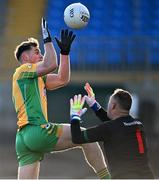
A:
[(76, 15)]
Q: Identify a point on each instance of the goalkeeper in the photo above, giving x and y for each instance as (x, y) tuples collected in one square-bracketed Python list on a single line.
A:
[(122, 135)]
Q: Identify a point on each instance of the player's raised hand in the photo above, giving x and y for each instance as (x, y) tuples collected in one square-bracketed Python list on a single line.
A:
[(90, 97), (65, 41), (45, 31), (76, 107)]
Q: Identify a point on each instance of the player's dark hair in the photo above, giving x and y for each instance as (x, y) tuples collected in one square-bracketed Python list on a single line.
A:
[(124, 98), (25, 46)]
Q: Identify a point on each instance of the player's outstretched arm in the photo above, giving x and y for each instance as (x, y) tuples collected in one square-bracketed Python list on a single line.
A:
[(76, 111), (49, 62), (61, 79), (93, 104), (81, 136)]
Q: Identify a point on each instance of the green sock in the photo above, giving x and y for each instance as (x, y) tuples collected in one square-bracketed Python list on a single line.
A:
[(103, 174)]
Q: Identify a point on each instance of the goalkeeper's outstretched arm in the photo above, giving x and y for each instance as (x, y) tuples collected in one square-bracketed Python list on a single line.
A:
[(81, 136)]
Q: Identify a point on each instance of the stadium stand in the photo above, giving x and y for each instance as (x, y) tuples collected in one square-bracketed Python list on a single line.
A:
[(129, 22)]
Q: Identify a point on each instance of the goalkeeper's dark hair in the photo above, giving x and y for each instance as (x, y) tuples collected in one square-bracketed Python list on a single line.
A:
[(25, 46), (124, 98)]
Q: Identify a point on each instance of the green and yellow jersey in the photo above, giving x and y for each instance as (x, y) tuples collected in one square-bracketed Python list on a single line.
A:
[(29, 96)]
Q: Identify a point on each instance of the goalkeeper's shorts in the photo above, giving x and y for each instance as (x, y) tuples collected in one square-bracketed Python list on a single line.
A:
[(33, 141)]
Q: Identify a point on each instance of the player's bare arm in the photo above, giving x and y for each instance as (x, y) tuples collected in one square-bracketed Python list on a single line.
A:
[(54, 81), (49, 62)]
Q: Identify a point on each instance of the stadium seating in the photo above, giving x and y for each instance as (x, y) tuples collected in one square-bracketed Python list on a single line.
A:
[(127, 30)]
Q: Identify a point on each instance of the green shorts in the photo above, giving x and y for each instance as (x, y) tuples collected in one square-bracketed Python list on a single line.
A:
[(33, 141)]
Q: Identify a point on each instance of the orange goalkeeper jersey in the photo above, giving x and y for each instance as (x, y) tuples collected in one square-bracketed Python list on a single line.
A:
[(29, 96)]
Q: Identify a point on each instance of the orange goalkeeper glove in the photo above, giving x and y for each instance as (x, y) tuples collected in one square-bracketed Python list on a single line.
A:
[(90, 98)]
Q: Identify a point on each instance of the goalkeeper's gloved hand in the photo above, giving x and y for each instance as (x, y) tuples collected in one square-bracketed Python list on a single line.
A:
[(90, 98), (65, 42), (45, 31), (76, 107)]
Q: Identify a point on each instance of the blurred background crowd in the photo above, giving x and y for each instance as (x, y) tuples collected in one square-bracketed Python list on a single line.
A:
[(118, 49)]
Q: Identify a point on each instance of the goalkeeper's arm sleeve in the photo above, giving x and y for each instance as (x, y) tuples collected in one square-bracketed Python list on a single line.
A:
[(77, 134), (102, 114), (93, 134)]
